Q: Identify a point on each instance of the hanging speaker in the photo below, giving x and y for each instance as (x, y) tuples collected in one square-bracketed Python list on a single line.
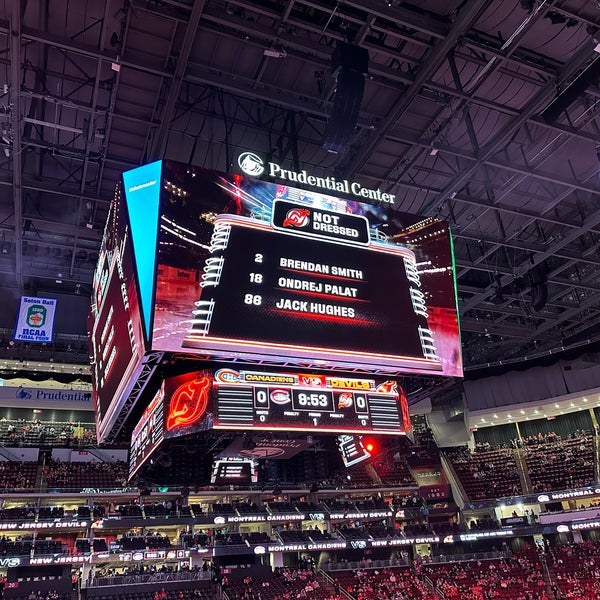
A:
[(539, 296), (589, 76), (349, 66)]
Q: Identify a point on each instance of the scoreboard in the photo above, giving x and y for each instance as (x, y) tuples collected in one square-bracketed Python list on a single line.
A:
[(265, 400), (230, 471), (307, 402), (228, 269), (149, 432)]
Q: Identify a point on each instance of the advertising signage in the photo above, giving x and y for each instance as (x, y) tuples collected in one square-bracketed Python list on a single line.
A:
[(232, 267)]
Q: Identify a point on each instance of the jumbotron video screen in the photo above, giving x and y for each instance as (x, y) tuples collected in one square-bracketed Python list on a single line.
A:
[(248, 269), (198, 264)]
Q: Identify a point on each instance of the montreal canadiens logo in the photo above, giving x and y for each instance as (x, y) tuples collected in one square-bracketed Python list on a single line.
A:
[(251, 164), (280, 396), (227, 376), (262, 452), (297, 217)]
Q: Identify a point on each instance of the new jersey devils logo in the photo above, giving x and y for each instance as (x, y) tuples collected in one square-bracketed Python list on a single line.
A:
[(388, 387), (345, 400), (188, 403), (296, 217)]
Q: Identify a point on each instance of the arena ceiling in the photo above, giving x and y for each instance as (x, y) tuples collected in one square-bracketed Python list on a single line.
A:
[(484, 112)]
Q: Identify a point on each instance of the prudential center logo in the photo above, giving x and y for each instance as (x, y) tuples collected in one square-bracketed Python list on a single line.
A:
[(251, 164)]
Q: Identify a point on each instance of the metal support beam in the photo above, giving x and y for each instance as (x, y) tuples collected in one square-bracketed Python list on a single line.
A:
[(159, 143), (467, 16), (15, 119), (537, 103)]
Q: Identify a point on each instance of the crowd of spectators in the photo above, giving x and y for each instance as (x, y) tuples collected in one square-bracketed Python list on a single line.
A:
[(547, 438), (51, 595), (574, 573), (409, 500), (85, 474), (385, 584), (19, 432), (287, 584), (17, 476), (196, 593), (486, 473), (556, 464), (552, 463), (517, 578), (577, 570)]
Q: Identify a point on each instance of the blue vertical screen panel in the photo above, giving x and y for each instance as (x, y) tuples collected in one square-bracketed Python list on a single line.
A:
[(142, 193)]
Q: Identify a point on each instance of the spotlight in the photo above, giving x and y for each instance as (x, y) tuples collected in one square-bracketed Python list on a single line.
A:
[(556, 18), (275, 53)]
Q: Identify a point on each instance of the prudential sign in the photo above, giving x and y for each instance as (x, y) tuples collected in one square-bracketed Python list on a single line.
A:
[(253, 165)]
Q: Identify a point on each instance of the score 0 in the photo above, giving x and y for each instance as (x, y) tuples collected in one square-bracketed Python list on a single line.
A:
[(256, 278)]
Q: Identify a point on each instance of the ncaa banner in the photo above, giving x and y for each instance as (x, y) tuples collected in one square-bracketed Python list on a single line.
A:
[(35, 320)]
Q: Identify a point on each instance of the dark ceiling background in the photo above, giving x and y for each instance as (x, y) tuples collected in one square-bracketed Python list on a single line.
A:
[(484, 112)]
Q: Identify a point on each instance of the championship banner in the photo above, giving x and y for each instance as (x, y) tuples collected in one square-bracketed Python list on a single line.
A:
[(431, 479), (35, 320)]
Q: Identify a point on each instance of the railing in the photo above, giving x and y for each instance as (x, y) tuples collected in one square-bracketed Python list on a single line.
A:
[(372, 564), (46, 433), (443, 559), (437, 589), (340, 591), (149, 578)]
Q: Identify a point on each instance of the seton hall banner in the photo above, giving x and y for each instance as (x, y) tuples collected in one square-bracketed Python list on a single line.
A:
[(35, 320)]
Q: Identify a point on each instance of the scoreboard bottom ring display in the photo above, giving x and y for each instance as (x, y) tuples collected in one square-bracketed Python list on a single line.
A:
[(308, 402)]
